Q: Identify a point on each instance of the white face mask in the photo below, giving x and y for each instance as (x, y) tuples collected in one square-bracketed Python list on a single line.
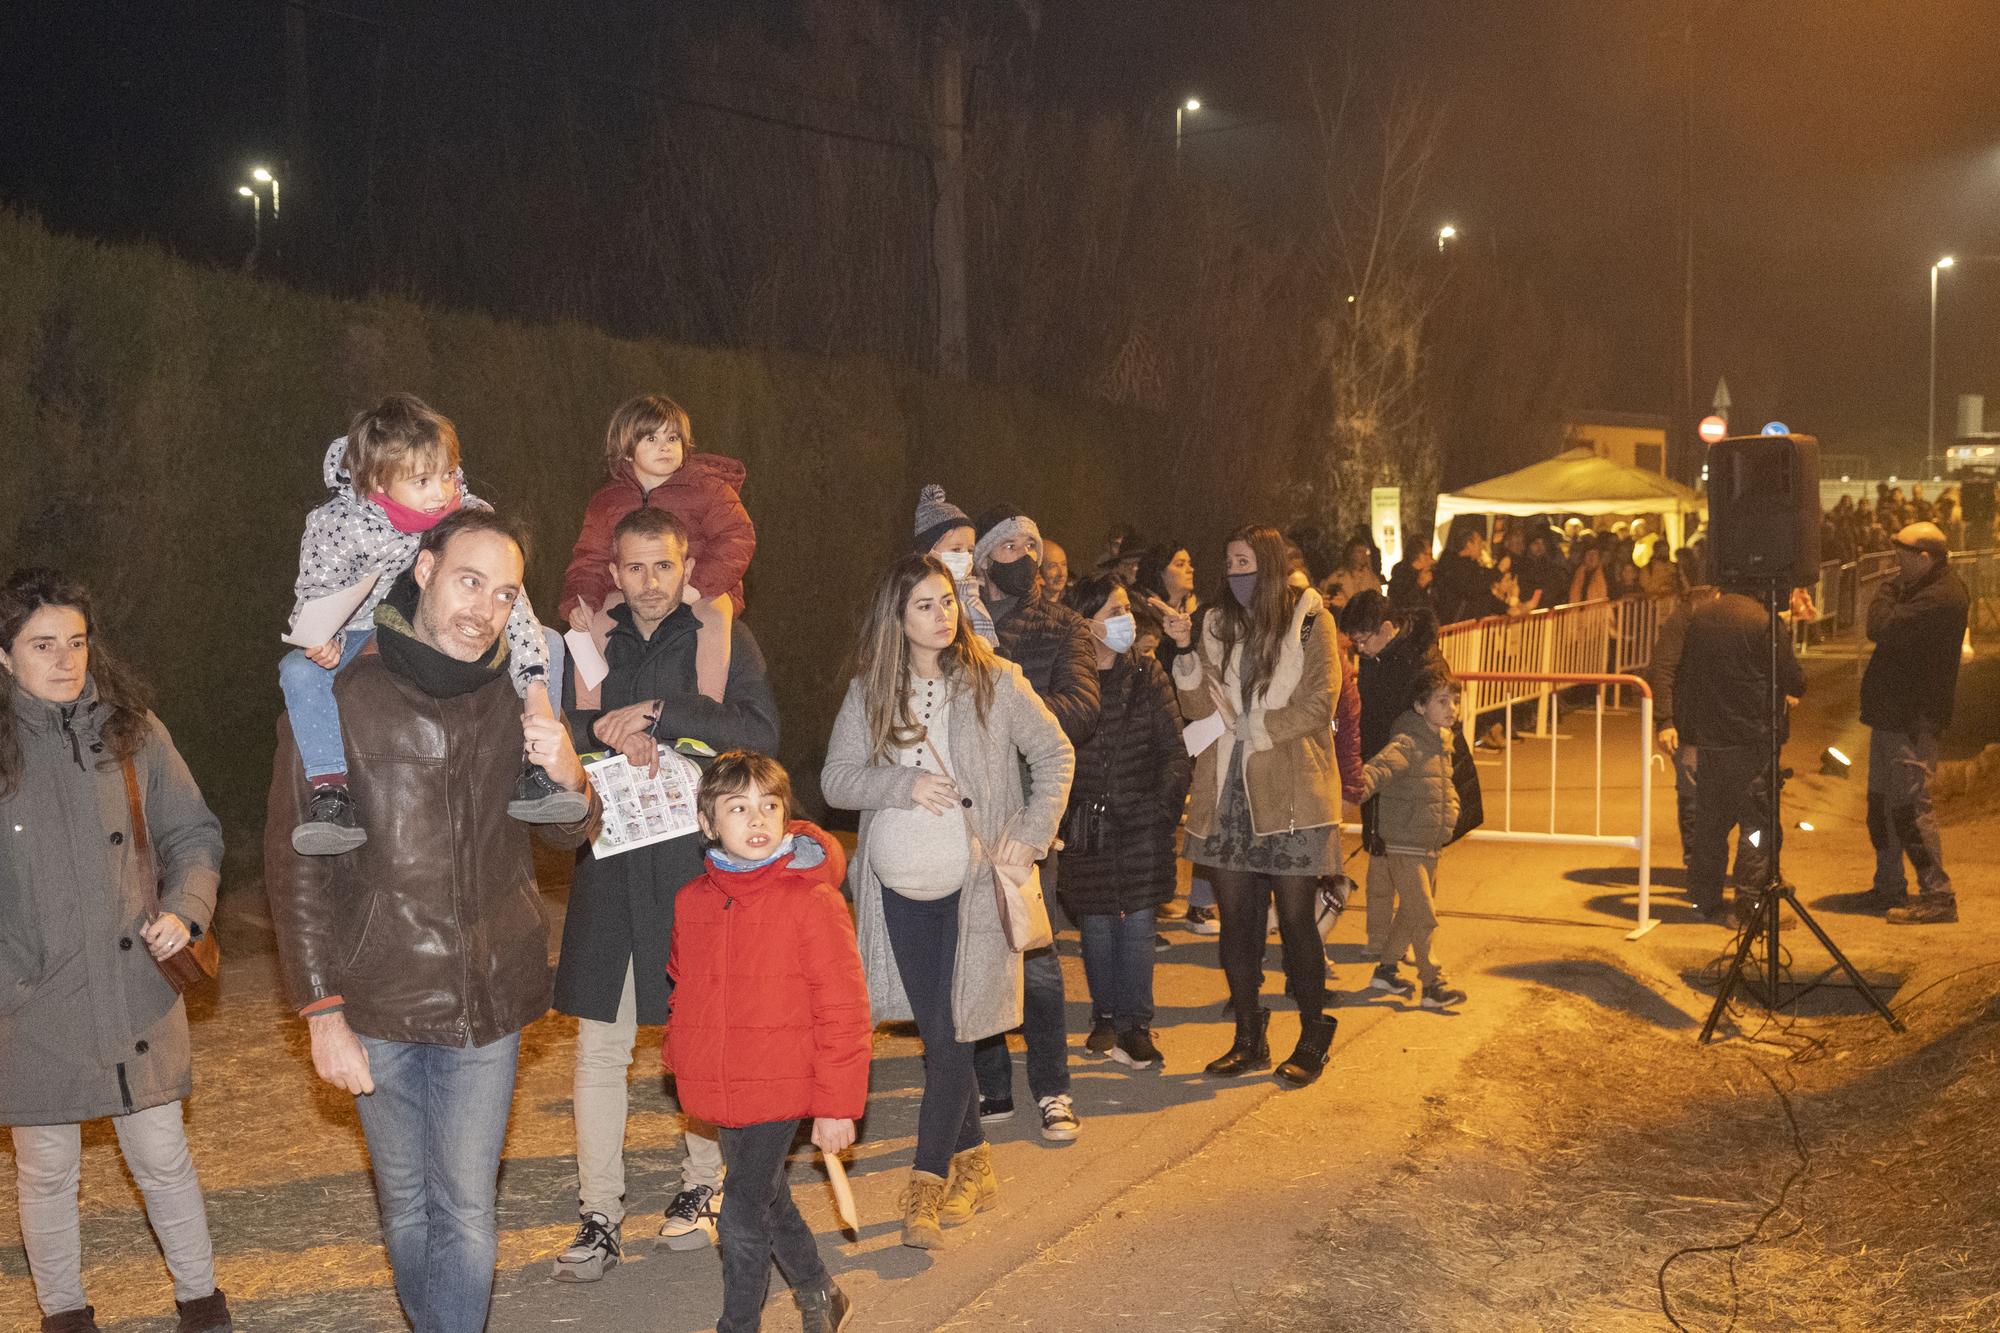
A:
[(1119, 632), (958, 562)]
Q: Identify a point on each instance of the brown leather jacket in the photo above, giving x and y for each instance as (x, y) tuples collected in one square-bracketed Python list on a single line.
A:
[(432, 930)]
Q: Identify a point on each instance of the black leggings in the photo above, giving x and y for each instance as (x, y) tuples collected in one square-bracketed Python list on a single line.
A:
[(1242, 898)]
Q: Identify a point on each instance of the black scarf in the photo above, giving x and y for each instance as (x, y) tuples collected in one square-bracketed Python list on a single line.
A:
[(437, 674)]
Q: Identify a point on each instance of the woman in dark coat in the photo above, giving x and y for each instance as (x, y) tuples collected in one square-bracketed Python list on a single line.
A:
[(88, 1026), (1117, 865)]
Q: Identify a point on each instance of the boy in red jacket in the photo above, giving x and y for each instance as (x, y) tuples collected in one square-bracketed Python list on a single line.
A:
[(768, 1025)]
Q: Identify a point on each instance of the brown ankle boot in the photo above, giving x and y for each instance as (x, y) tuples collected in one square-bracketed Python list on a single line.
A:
[(970, 1187), (921, 1198), (210, 1314), (71, 1321)]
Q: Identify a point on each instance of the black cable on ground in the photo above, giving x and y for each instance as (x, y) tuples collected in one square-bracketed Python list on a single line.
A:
[(1734, 1249)]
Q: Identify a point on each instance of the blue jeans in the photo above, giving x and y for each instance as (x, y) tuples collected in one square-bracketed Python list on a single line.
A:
[(1200, 892), (1043, 1025), (1901, 823), (923, 938), (435, 1124), (759, 1223), (315, 717), (315, 714), (1118, 966)]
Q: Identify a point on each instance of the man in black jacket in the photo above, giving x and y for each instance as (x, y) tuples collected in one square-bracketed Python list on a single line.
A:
[(1466, 588), (1659, 675), (1054, 649), (1721, 692), (613, 971), (1917, 621)]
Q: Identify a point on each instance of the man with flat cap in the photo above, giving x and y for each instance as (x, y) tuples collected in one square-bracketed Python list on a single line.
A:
[(1917, 622)]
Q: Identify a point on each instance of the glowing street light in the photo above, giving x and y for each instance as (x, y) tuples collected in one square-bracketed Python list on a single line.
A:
[(1187, 108), (263, 176), (1930, 418), (256, 216), (1445, 233)]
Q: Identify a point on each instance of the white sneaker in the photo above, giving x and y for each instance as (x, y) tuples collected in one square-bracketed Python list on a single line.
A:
[(593, 1253), (692, 1218)]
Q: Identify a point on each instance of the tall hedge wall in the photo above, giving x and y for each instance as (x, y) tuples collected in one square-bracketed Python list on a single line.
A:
[(161, 427)]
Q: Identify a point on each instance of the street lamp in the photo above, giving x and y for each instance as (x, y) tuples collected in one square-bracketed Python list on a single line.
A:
[(1930, 418), (256, 215), (1445, 233), (1189, 107), (263, 176)]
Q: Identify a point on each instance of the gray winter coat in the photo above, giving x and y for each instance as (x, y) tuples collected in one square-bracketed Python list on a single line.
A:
[(1416, 801), (986, 763), (88, 1026)]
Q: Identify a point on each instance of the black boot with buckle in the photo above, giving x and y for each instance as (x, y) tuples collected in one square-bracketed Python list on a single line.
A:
[(1252, 1048), (1309, 1057)]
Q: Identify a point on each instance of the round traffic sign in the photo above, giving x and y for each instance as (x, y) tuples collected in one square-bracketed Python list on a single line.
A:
[(1712, 428), (1775, 428)]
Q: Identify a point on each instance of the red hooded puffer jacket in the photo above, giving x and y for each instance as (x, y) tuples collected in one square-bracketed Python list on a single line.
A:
[(769, 1018), (703, 495)]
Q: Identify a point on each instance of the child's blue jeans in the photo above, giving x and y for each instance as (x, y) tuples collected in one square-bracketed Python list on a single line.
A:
[(308, 690)]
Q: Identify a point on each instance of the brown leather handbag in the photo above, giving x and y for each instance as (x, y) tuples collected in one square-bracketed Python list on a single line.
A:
[(201, 957)]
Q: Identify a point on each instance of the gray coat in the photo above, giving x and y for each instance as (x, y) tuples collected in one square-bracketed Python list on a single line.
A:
[(88, 1026), (986, 763)]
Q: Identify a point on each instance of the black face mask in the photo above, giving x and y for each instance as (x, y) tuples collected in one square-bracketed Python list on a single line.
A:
[(1014, 578)]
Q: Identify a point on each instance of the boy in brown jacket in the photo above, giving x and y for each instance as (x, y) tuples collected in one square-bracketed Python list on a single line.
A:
[(1416, 812)]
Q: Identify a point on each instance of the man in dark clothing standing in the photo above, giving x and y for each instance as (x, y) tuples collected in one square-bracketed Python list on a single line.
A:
[(1659, 674), (417, 958), (1917, 621), (1721, 692), (1054, 649), (1465, 588), (613, 971)]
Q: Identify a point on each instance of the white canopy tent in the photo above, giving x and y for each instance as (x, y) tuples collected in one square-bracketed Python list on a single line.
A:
[(1577, 482)]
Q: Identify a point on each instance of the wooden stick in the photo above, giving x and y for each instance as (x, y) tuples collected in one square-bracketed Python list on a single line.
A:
[(843, 1193)]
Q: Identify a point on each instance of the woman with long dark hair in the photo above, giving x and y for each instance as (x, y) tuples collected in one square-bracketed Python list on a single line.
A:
[(1264, 815), (934, 729), (89, 1028)]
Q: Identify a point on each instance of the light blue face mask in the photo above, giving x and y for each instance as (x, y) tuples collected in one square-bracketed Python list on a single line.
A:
[(1119, 632)]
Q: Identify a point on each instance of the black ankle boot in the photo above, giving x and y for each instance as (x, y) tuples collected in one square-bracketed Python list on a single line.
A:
[(1251, 1050), (1309, 1057)]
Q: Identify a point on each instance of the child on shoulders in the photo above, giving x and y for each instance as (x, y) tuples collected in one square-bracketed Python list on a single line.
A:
[(649, 450), (769, 1025), (945, 531), (395, 475)]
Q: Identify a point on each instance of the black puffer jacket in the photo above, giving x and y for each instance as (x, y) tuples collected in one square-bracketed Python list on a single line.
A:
[(1918, 632), (1052, 646), (1136, 764)]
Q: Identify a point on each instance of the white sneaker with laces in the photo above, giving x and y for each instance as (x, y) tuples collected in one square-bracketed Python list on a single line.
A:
[(594, 1252), (692, 1218)]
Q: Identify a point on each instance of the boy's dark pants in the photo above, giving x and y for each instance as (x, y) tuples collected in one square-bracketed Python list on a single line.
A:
[(759, 1223)]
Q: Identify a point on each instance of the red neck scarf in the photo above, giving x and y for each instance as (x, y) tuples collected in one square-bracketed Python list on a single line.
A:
[(406, 519)]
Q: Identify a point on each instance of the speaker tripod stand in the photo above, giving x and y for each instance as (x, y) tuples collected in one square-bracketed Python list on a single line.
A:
[(1776, 894)]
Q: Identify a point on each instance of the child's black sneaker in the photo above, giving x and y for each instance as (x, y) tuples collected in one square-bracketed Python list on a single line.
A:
[(1136, 1050), (992, 1110), (1441, 994), (538, 800), (1102, 1037), (1387, 978), (1202, 921), (330, 827)]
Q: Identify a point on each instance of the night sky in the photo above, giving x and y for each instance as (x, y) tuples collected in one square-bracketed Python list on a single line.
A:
[(1840, 147)]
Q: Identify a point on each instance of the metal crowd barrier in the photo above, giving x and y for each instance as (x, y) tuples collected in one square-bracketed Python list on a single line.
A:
[(1509, 660)]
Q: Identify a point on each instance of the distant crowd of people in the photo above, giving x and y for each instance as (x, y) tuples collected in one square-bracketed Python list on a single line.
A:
[(1851, 529)]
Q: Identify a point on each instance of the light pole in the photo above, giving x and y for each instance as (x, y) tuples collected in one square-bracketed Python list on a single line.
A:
[(1930, 417), (1189, 107), (263, 176), (256, 216), (1445, 233)]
